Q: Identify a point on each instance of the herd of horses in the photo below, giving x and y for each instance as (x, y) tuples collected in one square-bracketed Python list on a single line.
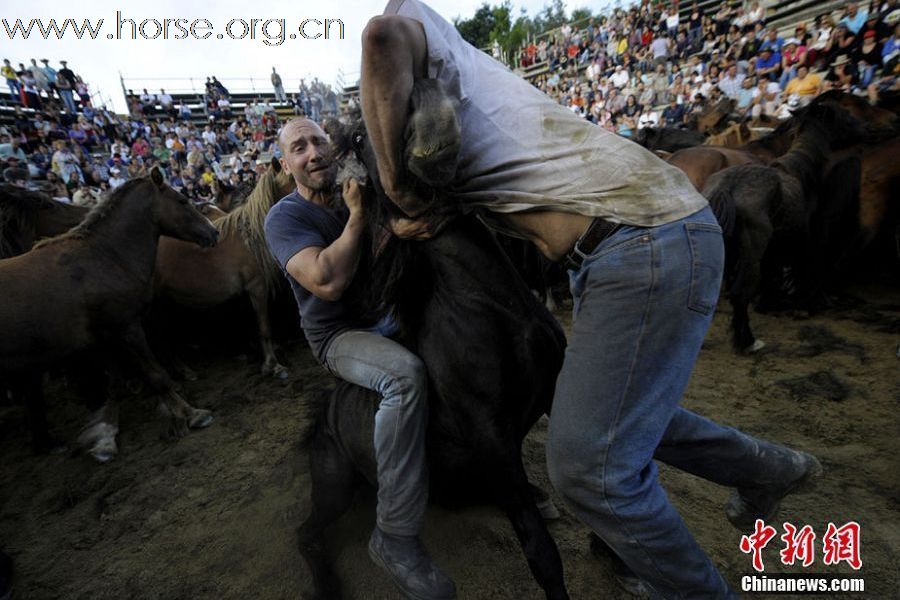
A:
[(793, 205)]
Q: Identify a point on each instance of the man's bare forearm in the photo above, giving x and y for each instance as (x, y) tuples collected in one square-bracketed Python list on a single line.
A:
[(393, 56)]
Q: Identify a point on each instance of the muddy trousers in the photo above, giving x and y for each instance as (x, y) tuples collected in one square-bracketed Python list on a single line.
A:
[(643, 303), (380, 364)]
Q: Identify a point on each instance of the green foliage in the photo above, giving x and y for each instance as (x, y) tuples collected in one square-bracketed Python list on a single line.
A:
[(495, 23)]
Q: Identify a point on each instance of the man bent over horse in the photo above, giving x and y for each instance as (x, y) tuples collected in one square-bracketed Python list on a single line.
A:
[(317, 243), (645, 255)]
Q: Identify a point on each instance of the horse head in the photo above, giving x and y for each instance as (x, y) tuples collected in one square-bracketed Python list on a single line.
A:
[(176, 216)]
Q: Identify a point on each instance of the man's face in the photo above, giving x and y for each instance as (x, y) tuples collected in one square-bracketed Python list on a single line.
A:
[(307, 156)]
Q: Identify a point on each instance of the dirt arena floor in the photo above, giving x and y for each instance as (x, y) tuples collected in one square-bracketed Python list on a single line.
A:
[(214, 515)]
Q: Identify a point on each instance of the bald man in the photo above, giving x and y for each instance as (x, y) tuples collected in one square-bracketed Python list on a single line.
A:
[(316, 240)]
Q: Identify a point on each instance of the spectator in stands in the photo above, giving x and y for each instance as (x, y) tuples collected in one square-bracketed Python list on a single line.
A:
[(756, 14), (166, 102), (767, 102), (279, 88), (823, 29), (184, 112), (40, 78), (854, 18), (773, 42), (805, 86), (12, 80), (695, 24), (56, 188), (50, 72), (891, 47), (868, 58), (745, 96), (674, 114), (843, 75), (793, 54), (768, 65), (85, 196), (843, 41), (116, 178), (148, 103), (731, 82)]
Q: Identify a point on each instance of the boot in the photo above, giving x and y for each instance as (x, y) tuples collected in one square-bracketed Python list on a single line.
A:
[(794, 471), (405, 559)]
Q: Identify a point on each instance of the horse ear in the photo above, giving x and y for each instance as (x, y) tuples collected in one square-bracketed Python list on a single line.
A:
[(276, 164), (156, 176)]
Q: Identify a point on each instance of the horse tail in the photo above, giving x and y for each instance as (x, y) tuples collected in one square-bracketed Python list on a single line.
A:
[(721, 200)]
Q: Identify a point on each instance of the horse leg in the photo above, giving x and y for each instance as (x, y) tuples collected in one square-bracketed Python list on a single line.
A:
[(516, 496), (183, 415), (98, 436), (259, 298), (753, 239), (333, 484), (30, 387)]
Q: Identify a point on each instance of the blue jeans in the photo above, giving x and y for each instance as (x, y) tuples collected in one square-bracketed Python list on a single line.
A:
[(643, 303), (68, 100), (13, 89), (375, 362)]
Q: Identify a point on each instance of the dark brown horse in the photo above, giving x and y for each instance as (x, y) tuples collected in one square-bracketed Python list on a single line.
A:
[(766, 212), (86, 291), (26, 217), (700, 162), (239, 264)]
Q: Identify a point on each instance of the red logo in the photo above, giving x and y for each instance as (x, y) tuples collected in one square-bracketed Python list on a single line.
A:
[(841, 544)]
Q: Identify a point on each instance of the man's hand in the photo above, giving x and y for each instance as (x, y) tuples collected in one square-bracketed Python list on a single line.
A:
[(352, 193), (418, 229)]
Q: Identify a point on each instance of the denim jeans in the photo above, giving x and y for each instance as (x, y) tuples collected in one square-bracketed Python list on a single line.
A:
[(644, 300), (375, 362), (68, 100)]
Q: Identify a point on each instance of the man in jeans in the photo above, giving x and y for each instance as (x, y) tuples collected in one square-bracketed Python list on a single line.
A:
[(645, 256), (317, 243)]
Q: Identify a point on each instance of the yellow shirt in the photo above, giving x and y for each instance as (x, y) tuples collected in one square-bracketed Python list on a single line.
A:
[(808, 86), (622, 47)]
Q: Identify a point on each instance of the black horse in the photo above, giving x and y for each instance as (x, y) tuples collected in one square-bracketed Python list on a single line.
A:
[(492, 352), (768, 215), (668, 139)]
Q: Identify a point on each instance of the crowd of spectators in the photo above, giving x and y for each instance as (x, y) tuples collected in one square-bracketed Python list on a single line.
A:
[(646, 66), (76, 155), (636, 67)]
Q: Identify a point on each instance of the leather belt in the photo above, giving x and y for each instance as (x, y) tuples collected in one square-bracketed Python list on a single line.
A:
[(597, 231)]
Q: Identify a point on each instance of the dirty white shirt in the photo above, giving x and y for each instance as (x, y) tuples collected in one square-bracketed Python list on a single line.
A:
[(522, 151)]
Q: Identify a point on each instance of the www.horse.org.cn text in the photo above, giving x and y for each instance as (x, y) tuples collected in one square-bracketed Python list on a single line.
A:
[(271, 32)]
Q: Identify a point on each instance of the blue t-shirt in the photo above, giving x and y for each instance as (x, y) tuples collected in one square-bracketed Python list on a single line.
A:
[(292, 225)]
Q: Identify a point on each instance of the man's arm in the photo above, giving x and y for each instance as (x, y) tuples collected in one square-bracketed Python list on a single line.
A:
[(327, 272), (394, 55)]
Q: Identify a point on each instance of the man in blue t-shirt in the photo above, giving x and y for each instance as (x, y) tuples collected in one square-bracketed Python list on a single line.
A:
[(317, 244)]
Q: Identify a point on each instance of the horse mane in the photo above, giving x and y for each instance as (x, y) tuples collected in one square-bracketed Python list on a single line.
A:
[(809, 150), (248, 221), (18, 208), (102, 211)]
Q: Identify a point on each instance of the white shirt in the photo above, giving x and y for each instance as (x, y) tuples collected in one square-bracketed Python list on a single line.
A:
[(522, 151)]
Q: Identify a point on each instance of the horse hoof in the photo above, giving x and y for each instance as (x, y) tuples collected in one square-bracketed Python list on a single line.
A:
[(201, 418), (104, 451), (755, 347)]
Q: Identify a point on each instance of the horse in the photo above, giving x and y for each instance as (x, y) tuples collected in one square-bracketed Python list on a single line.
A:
[(85, 291), (239, 264), (27, 216), (668, 139), (766, 212), (492, 352), (700, 162)]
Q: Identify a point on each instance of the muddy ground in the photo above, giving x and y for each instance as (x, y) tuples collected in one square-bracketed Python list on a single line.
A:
[(213, 515)]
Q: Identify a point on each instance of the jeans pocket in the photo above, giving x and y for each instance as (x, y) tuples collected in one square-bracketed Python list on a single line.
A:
[(707, 259)]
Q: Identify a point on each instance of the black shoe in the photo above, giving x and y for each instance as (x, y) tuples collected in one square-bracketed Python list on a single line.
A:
[(411, 569), (748, 504)]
